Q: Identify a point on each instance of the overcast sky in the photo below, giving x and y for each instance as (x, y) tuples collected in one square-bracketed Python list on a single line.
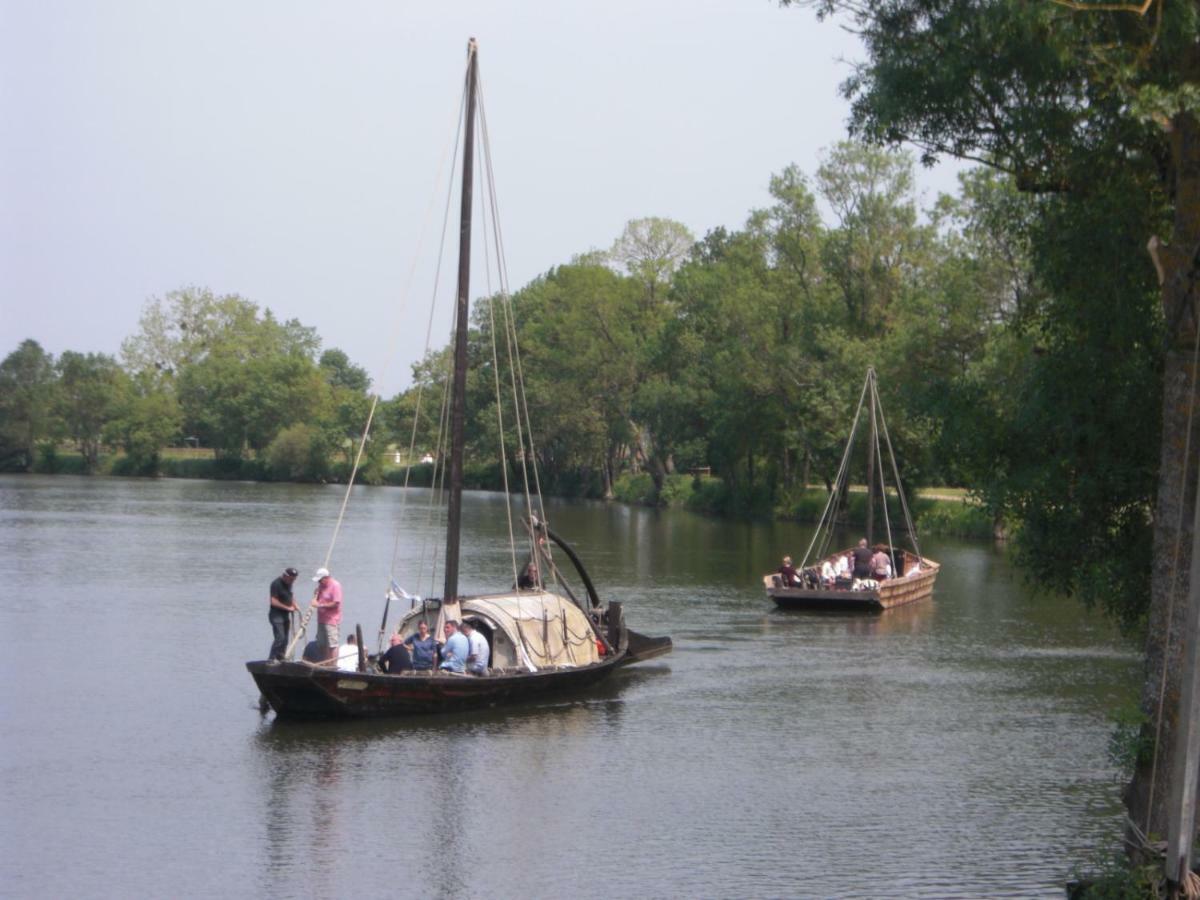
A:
[(288, 151)]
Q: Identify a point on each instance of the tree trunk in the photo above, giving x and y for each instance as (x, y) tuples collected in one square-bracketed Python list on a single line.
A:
[(1179, 270)]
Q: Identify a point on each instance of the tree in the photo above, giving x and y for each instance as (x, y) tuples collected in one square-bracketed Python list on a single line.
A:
[(147, 418), (1099, 107), (27, 383), (651, 250), (90, 389), (237, 404), (188, 324), (866, 253)]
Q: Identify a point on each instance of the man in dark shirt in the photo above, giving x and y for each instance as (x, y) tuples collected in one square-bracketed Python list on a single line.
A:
[(280, 613), (862, 560), (397, 658)]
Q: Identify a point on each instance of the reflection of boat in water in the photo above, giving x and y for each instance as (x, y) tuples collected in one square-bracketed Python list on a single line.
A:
[(826, 580), (541, 642)]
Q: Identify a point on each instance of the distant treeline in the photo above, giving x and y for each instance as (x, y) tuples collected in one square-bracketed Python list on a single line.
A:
[(1004, 363)]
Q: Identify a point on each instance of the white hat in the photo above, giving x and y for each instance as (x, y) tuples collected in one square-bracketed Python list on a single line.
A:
[(321, 573)]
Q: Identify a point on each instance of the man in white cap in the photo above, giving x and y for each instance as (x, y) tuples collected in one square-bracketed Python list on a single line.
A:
[(328, 602)]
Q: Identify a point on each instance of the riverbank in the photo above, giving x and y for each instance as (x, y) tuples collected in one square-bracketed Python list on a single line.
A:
[(949, 512)]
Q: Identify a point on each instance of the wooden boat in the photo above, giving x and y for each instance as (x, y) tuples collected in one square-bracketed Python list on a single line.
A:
[(875, 595), (818, 586), (543, 637)]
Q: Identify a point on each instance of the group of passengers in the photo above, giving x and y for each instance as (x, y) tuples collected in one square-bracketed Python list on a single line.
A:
[(862, 564), (463, 648)]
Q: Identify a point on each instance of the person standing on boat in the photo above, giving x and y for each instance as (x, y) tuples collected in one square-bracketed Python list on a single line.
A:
[(280, 612), (790, 577), (881, 565), (862, 559), (455, 650), (329, 612), (424, 647), (478, 651)]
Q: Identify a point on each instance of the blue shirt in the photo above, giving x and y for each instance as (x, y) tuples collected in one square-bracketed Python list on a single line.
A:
[(423, 651), (454, 653)]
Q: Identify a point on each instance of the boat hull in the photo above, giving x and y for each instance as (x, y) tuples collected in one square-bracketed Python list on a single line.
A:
[(890, 593), (297, 690)]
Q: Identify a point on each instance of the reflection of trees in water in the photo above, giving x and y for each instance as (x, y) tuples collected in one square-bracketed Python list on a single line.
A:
[(302, 813), (462, 790), (909, 618)]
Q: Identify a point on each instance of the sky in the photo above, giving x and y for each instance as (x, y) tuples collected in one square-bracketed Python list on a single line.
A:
[(296, 153)]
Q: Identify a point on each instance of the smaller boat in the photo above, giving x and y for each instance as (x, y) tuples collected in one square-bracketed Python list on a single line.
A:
[(826, 580)]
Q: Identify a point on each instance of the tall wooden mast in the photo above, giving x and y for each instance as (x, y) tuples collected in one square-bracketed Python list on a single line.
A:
[(458, 393), (872, 440)]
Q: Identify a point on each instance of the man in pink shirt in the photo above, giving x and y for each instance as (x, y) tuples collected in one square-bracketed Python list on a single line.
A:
[(329, 612)]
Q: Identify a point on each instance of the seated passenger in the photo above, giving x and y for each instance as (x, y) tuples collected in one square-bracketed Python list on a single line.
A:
[(397, 658), (455, 650), (478, 651), (788, 572), (347, 658), (424, 647), (313, 652), (841, 567)]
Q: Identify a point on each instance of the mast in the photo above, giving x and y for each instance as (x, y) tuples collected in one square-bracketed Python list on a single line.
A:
[(458, 394), (871, 442)]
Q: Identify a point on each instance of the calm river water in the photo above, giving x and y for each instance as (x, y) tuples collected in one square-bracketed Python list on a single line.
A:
[(955, 748)]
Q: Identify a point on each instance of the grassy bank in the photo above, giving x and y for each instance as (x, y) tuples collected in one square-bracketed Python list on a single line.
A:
[(940, 511)]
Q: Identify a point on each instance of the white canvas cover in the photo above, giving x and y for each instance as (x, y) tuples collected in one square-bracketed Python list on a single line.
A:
[(547, 630)]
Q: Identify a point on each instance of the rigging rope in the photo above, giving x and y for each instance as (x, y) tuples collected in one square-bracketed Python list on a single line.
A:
[(876, 409), (437, 275), (908, 520), (825, 526)]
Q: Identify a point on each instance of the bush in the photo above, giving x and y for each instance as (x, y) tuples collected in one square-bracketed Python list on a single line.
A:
[(298, 454), (225, 469), (955, 518), (420, 475), (50, 461), (708, 495), (636, 489)]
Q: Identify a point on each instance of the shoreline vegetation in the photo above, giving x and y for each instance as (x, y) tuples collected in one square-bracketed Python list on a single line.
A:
[(937, 511)]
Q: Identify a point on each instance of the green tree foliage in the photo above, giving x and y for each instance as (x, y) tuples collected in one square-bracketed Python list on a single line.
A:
[(89, 393), (583, 337), (189, 324), (651, 250), (27, 384), (237, 404), (1099, 109), (298, 453), (147, 419)]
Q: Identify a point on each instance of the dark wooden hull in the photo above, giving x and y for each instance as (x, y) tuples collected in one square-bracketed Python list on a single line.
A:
[(893, 592), (298, 690), (642, 648)]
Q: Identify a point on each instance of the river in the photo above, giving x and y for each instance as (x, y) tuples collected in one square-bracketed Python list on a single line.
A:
[(952, 748)]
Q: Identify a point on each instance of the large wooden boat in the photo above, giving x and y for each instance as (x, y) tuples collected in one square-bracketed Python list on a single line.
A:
[(544, 638), (820, 583)]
